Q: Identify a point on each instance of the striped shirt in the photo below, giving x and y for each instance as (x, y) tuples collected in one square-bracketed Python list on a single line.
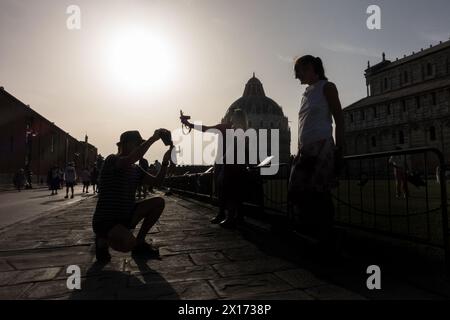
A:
[(117, 191)]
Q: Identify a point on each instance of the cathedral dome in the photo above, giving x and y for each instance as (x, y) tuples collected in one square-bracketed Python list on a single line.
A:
[(263, 113), (255, 103)]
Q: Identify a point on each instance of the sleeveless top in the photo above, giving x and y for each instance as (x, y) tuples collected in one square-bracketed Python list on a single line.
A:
[(314, 117)]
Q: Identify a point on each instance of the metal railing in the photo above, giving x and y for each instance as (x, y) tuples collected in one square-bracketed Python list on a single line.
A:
[(371, 195), (366, 197), (268, 193)]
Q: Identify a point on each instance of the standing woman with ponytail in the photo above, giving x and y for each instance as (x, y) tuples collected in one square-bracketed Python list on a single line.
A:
[(313, 172)]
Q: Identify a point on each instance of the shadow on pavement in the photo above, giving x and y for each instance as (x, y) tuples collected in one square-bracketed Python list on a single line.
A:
[(54, 201), (44, 196), (147, 284)]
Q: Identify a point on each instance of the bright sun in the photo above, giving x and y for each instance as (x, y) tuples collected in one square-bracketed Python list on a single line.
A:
[(140, 60)]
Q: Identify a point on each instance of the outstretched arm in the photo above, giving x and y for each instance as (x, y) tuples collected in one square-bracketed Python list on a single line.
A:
[(220, 126)]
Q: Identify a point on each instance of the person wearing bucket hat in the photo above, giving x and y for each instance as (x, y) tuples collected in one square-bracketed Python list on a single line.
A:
[(117, 213)]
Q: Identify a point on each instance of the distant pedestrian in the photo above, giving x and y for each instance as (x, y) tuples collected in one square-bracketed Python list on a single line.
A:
[(54, 180), (400, 175), (19, 179), (28, 178), (61, 178), (152, 170), (157, 165), (86, 179), (70, 176), (142, 188), (438, 174), (94, 179)]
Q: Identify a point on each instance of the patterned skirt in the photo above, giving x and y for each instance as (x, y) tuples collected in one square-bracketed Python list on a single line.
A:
[(313, 169)]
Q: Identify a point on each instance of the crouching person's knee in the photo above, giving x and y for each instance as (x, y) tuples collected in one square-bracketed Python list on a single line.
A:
[(125, 245), (121, 239), (128, 245)]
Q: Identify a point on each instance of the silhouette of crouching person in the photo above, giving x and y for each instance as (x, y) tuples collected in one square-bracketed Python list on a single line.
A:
[(117, 213)]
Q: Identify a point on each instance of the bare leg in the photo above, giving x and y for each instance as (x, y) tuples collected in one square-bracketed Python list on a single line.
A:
[(148, 210), (121, 239)]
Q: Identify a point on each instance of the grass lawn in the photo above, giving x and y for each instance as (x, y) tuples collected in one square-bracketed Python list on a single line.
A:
[(375, 206)]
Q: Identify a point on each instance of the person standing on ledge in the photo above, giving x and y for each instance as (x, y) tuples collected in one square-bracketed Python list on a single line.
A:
[(117, 213), (231, 178), (319, 157)]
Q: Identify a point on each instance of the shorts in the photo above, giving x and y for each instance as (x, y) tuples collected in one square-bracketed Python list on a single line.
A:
[(102, 227), (70, 184)]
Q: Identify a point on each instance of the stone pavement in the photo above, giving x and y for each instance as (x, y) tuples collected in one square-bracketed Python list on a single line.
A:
[(199, 261)]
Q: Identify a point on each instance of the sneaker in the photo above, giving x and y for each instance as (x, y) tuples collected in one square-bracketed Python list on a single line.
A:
[(66, 197), (71, 197), (145, 250)]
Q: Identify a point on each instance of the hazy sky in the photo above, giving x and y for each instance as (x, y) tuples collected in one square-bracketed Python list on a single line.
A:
[(207, 50)]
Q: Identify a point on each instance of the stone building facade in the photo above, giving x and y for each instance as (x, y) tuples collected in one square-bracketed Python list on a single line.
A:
[(407, 105), (263, 113), (29, 140)]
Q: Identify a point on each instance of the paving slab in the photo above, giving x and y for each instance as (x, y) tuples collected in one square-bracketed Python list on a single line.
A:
[(198, 261)]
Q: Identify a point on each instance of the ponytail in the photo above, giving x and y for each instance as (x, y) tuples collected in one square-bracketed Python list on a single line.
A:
[(318, 67), (316, 62)]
